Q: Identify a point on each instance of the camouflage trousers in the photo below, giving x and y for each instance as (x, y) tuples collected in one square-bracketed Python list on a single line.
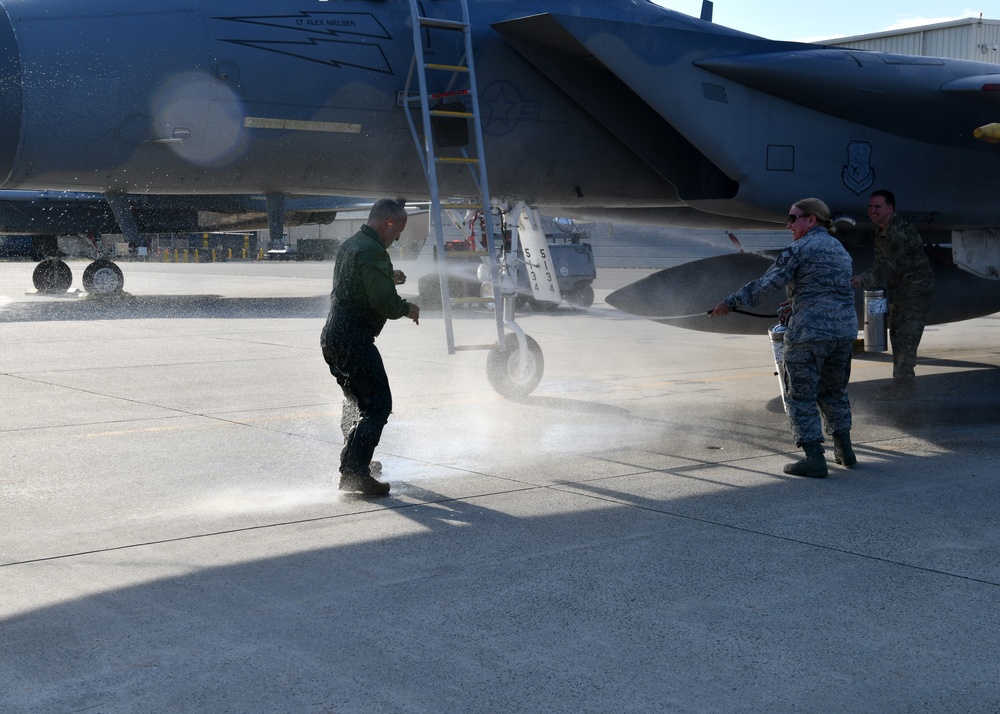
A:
[(815, 376), (907, 318)]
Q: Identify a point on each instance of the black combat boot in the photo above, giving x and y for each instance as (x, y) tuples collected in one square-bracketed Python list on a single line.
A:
[(813, 465), (843, 453), (363, 483)]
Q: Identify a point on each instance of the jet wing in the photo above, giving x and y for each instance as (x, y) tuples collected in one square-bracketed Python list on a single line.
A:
[(685, 90), (930, 99)]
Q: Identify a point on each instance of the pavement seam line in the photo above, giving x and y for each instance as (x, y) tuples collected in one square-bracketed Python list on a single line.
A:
[(531, 487), (248, 529)]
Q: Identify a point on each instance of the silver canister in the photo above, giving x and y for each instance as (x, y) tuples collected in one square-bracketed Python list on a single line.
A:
[(876, 312)]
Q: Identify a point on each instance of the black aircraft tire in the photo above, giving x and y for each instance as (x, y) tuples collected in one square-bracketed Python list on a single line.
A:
[(503, 373), (52, 277), (581, 296), (102, 277)]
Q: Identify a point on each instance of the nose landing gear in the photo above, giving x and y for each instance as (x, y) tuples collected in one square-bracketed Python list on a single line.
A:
[(512, 370)]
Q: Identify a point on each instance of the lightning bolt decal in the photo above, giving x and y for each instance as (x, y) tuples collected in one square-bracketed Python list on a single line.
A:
[(325, 46), (332, 53), (325, 23)]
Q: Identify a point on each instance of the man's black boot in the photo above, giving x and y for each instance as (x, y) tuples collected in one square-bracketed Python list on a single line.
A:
[(843, 453), (363, 484), (813, 465)]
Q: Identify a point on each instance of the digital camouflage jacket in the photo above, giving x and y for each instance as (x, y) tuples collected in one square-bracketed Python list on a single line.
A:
[(900, 262), (816, 274)]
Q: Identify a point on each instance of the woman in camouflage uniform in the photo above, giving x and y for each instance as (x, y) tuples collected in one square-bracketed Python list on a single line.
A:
[(815, 271)]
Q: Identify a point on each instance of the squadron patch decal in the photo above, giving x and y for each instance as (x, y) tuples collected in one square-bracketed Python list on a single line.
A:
[(858, 173)]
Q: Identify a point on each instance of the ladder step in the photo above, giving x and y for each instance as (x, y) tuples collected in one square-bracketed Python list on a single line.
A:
[(467, 348), (442, 24), (447, 113), (446, 67), (404, 99), (462, 254), (456, 160)]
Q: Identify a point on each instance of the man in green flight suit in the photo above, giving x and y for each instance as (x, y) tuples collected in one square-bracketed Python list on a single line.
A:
[(364, 296), (901, 264)]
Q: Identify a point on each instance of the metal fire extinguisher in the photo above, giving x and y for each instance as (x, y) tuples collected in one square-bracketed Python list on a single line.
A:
[(876, 309)]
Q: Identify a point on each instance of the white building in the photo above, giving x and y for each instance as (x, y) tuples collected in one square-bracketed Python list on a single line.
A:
[(970, 39), (347, 223)]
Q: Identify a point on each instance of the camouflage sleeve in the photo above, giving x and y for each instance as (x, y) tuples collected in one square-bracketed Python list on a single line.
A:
[(776, 277), (898, 241)]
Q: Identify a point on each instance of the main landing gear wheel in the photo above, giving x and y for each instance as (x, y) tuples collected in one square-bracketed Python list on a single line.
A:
[(102, 277), (52, 276), (511, 376)]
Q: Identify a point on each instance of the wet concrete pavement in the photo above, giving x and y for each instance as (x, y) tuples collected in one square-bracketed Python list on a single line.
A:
[(622, 540)]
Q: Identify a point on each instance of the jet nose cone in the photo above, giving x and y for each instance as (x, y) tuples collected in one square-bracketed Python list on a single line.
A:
[(683, 295)]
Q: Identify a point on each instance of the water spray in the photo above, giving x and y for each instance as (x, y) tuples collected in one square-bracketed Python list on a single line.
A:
[(706, 313)]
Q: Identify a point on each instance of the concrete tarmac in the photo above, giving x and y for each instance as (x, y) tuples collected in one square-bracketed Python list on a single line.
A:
[(624, 540)]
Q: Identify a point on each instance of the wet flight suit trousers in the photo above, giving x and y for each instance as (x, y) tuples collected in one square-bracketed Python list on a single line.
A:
[(367, 402)]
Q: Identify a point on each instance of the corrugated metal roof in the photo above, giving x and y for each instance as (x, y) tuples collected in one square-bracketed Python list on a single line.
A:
[(970, 39), (909, 30)]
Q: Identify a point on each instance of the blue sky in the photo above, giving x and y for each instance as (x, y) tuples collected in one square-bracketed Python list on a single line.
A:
[(808, 20)]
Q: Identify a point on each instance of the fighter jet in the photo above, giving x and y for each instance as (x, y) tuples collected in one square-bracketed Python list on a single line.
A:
[(620, 109)]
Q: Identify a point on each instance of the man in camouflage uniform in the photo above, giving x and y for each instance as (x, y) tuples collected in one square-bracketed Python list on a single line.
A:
[(815, 271), (364, 297), (901, 264)]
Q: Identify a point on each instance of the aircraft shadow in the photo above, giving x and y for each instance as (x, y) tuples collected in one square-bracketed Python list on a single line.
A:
[(958, 399), (886, 357)]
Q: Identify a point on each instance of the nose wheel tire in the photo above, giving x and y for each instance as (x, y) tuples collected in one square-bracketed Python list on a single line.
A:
[(52, 277), (512, 376), (102, 277)]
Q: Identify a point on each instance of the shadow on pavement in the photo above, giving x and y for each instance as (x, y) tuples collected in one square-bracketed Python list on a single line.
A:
[(130, 307), (955, 399), (629, 596)]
